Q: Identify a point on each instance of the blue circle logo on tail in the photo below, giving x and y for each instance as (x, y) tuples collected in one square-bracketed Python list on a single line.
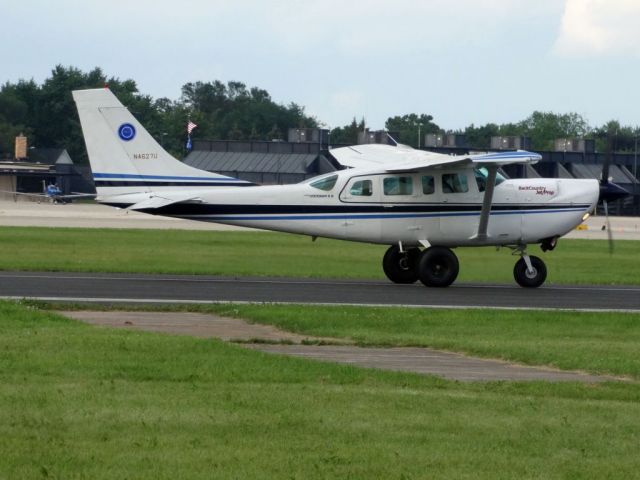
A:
[(126, 132)]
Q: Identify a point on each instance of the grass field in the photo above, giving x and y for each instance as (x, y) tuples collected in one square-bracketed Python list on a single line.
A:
[(276, 254), (78, 401)]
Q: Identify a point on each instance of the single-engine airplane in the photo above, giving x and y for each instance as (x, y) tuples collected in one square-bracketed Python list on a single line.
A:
[(422, 204), (52, 192)]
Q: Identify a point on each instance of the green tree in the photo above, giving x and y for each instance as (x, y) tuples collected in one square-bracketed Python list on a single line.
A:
[(50, 118), (348, 134), (410, 127), (480, 137), (545, 127), (248, 113), (623, 138), (14, 119)]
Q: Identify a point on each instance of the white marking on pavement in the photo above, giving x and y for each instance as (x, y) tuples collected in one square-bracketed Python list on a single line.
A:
[(320, 304)]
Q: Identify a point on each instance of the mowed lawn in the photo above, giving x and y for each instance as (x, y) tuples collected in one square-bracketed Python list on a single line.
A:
[(78, 401), (277, 254)]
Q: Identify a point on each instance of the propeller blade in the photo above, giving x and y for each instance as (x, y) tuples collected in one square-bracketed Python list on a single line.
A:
[(610, 192), (604, 176), (608, 222)]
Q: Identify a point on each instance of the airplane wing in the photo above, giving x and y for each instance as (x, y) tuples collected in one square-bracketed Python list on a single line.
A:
[(39, 195), (76, 195), (493, 160), (13, 192), (376, 155), (73, 196), (405, 159)]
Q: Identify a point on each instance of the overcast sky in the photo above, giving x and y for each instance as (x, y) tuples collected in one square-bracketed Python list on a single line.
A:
[(462, 61)]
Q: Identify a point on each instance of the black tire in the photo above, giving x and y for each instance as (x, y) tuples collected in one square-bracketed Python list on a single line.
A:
[(530, 280), (438, 267), (401, 267)]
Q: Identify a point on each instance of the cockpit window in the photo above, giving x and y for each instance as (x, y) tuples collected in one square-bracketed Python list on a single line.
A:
[(326, 183), (481, 175), (362, 188)]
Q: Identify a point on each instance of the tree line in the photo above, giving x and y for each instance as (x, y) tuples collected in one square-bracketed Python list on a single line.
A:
[(46, 114)]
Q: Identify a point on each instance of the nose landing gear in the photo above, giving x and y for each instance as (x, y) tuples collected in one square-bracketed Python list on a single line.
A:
[(529, 271)]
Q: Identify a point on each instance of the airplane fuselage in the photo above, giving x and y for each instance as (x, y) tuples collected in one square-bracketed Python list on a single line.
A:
[(441, 208)]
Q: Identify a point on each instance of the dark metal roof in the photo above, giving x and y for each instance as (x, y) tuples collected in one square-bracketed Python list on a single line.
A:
[(595, 171), (563, 172), (252, 162), (49, 156), (531, 172), (25, 168)]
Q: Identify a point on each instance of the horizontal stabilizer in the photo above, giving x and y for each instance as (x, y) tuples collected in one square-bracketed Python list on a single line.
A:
[(156, 201)]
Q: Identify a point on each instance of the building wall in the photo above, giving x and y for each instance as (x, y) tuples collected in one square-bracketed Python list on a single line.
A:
[(7, 184)]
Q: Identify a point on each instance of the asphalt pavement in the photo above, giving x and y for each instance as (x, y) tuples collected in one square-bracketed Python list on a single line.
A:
[(136, 288)]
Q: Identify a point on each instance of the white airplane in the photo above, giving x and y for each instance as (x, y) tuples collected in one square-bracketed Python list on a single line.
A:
[(421, 204)]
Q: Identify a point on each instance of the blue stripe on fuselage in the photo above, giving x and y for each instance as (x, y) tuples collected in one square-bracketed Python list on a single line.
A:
[(164, 177), (370, 216)]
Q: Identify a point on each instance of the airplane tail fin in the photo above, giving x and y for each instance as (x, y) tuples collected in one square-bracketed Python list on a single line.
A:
[(125, 158)]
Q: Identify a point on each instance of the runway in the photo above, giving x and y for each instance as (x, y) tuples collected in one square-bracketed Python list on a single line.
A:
[(136, 288)]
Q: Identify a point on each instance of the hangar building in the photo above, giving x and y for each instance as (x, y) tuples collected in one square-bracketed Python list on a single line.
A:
[(43, 166)]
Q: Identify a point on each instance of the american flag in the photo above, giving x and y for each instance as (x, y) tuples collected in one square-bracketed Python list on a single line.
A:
[(190, 127)]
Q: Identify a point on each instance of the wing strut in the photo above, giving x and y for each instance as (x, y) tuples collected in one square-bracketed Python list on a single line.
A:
[(486, 202)]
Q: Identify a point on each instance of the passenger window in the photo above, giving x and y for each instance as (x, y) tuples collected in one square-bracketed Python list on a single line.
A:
[(428, 185), (362, 188), (454, 183), (326, 183), (398, 186)]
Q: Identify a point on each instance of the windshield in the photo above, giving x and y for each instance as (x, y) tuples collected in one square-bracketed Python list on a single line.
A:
[(326, 183), (481, 175)]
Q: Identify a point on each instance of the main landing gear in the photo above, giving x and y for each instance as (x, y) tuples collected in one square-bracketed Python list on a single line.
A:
[(435, 266), (439, 267)]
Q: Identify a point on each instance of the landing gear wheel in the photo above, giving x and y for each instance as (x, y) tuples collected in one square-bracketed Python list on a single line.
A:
[(438, 267), (401, 267), (530, 279)]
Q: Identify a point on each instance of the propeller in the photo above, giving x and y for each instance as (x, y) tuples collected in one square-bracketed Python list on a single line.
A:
[(609, 191), (608, 226)]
